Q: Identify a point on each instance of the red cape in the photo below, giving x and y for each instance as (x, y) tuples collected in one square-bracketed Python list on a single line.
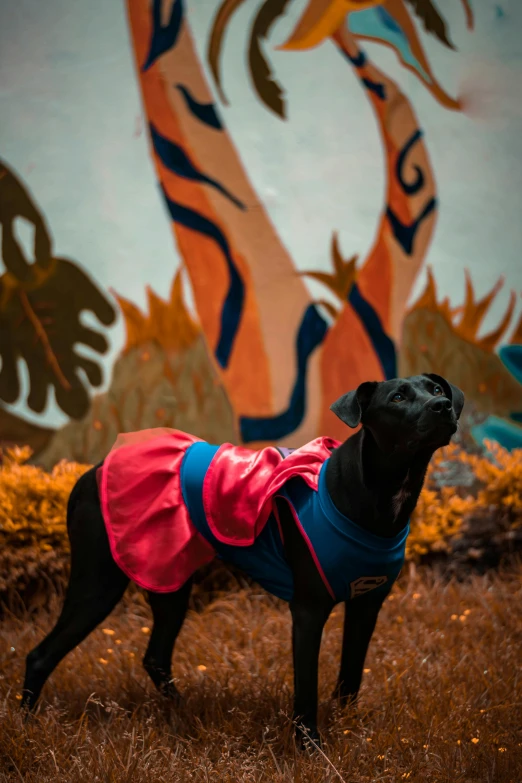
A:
[(151, 535)]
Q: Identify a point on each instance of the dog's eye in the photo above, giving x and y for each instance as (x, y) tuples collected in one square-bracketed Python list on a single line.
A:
[(437, 391), (398, 397)]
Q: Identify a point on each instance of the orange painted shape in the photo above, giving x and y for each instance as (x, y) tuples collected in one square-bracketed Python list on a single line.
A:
[(247, 378), (376, 278), (386, 277), (348, 359)]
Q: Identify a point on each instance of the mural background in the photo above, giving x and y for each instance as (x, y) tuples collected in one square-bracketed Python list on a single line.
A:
[(260, 208)]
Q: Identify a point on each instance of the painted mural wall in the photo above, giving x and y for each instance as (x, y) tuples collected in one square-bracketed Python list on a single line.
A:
[(220, 216)]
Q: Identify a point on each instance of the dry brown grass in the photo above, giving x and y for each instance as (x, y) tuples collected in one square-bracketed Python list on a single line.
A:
[(441, 698)]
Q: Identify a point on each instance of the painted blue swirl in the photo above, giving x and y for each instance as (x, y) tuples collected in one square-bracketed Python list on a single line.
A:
[(405, 233), (359, 61), (311, 333), (375, 87), (176, 160), (163, 38), (234, 301), (418, 184), (204, 112), (382, 344)]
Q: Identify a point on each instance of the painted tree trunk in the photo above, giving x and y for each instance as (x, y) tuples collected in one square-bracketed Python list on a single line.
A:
[(281, 364), (242, 277), (358, 347)]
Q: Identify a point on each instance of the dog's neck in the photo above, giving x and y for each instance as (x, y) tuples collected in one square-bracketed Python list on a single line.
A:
[(376, 491)]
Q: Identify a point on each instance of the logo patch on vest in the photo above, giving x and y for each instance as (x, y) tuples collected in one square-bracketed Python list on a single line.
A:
[(366, 583)]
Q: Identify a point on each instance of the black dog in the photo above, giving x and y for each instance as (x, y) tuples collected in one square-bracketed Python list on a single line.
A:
[(374, 478)]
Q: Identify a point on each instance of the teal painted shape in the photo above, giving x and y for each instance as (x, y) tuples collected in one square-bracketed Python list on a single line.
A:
[(511, 355), (494, 428), (376, 23)]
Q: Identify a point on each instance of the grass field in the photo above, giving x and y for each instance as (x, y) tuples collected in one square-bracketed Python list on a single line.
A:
[(441, 698)]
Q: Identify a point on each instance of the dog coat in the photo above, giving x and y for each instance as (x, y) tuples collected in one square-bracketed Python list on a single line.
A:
[(172, 502)]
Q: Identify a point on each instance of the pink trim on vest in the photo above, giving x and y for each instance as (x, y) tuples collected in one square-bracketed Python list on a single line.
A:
[(307, 540)]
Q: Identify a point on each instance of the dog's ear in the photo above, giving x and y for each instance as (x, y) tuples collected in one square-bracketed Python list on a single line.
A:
[(350, 407), (452, 392)]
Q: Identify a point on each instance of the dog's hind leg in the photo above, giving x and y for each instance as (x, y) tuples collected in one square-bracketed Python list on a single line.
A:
[(96, 584), (168, 611)]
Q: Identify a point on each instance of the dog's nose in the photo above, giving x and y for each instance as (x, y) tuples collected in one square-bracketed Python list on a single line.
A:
[(440, 405)]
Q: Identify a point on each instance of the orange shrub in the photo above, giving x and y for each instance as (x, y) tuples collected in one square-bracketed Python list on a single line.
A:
[(495, 486), (501, 480), (33, 503)]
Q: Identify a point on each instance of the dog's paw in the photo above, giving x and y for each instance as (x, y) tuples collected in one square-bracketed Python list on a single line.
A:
[(345, 700), (307, 739), (27, 705)]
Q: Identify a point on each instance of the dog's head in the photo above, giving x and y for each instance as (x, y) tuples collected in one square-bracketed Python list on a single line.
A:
[(404, 414)]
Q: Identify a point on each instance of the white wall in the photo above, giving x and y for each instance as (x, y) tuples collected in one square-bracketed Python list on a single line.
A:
[(71, 127)]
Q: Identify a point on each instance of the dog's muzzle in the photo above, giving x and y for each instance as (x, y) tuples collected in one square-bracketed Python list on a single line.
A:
[(437, 420)]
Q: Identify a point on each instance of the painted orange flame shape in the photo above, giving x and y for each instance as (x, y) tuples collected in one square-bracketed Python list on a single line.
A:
[(467, 319), (168, 322)]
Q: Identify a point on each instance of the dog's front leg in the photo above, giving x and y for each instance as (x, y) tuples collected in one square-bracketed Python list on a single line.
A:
[(308, 621), (360, 617)]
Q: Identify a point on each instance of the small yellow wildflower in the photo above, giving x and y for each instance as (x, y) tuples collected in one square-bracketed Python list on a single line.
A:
[(467, 611), (406, 774), (502, 750), (110, 650), (108, 631), (462, 618), (474, 740), (102, 660), (416, 596), (458, 742), (18, 696), (346, 731), (453, 616), (202, 668), (145, 629), (118, 641), (380, 757), (368, 739), (367, 671)]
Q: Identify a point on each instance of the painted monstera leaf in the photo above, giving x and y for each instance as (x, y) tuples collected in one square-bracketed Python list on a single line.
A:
[(40, 308), (163, 377)]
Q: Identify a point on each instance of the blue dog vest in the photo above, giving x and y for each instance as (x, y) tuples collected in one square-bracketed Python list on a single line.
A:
[(351, 560)]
